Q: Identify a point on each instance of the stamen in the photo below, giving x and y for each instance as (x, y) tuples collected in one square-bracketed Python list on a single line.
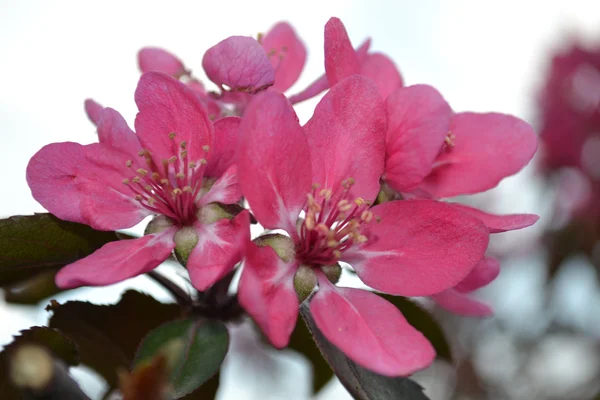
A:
[(172, 160), (136, 179), (142, 171), (449, 139), (366, 216), (128, 163), (126, 181), (172, 135), (183, 144), (206, 148)]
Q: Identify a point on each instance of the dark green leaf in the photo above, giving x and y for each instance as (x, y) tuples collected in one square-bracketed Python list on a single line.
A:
[(302, 341), (59, 345), (205, 344), (423, 322), (360, 382), (44, 240), (33, 289), (107, 336)]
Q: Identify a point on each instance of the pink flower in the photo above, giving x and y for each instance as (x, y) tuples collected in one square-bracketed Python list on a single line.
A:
[(342, 60), (317, 182), (177, 166)]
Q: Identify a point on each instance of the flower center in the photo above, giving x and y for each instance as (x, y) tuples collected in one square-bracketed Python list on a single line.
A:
[(171, 187), (332, 225)]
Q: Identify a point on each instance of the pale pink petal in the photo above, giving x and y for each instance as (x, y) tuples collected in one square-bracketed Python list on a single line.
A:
[(346, 137), (500, 223), (107, 209), (225, 190), (462, 304), (240, 63), (267, 293), (419, 247), (93, 110), (484, 272), (318, 86), (369, 330), (52, 176), (224, 146), (116, 261), (287, 54), (274, 168), (382, 70), (167, 106), (487, 148), (114, 131), (341, 60), (220, 247), (159, 60), (418, 123)]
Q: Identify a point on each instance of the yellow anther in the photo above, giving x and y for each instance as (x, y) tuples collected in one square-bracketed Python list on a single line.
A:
[(192, 164), (164, 181), (148, 188), (333, 243), (172, 135), (149, 160), (142, 171), (315, 186), (360, 239), (136, 179), (366, 216), (450, 139), (126, 181), (183, 144), (172, 160), (187, 189), (177, 191), (206, 148), (203, 161), (344, 205), (151, 201), (326, 194), (128, 163), (377, 219), (337, 254), (359, 201), (323, 229), (183, 154), (139, 197), (155, 176), (348, 182), (180, 175), (143, 153), (309, 222)]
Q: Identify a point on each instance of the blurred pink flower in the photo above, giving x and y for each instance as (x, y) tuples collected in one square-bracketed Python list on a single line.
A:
[(177, 165), (317, 182)]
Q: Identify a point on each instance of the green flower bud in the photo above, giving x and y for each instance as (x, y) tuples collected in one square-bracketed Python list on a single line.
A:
[(305, 281), (185, 240), (332, 272)]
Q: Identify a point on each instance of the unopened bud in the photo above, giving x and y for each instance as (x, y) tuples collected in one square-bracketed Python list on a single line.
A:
[(332, 272), (305, 281), (185, 240)]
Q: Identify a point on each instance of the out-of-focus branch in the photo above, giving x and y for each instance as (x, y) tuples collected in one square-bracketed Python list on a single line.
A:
[(41, 377), (175, 290)]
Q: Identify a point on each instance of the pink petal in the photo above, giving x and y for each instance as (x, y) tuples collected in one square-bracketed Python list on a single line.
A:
[(341, 60), (381, 69), (107, 209), (462, 304), (93, 110), (318, 86), (114, 131), (500, 223), (116, 261), (484, 272), (220, 247), (168, 106), (487, 148), (267, 293), (224, 146), (287, 54), (159, 60), (346, 137), (369, 330), (240, 63), (419, 248), (274, 167), (225, 190), (52, 176), (419, 121)]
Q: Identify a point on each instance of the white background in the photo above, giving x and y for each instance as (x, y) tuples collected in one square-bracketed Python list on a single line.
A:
[(481, 55)]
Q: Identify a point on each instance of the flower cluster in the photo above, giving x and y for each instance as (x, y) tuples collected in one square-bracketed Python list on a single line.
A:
[(359, 186)]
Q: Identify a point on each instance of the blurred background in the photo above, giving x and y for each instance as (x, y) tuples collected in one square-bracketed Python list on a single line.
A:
[(543, 342)]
